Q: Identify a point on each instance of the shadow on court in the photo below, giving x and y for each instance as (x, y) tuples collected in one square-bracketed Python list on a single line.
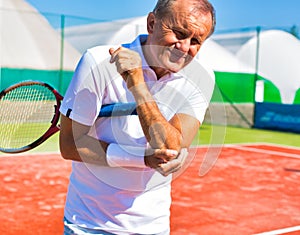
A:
[(250, 190)]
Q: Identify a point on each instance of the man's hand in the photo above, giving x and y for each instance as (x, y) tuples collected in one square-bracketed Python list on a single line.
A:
[(129, 65), (174, 165), (155, 157), (157, 160)]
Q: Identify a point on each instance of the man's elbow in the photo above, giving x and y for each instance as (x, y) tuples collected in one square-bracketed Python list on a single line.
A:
[(174, 143), (66, 150), (65, 154)]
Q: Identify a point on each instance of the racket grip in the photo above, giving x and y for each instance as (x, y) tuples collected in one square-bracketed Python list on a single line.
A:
[(118, 109)]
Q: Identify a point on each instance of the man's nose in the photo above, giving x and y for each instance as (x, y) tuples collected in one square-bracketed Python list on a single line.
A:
[(184, 45)]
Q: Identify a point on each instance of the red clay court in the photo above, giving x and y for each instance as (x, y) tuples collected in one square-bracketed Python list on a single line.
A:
[(252, 189)]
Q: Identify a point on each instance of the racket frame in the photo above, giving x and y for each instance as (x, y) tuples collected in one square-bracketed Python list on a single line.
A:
[(107, 110), (54, 127)]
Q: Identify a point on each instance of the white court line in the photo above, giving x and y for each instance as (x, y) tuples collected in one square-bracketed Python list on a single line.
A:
[(270, 145), (280, 231), (280, 154)]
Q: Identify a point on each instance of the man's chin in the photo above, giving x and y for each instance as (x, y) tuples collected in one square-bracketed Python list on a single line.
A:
[(175, 67)]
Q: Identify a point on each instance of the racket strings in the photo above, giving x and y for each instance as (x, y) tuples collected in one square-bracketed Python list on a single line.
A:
[(25, 115)]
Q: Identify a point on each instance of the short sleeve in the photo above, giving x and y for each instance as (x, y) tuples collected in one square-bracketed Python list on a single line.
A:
[(198, 91), (82, 100)]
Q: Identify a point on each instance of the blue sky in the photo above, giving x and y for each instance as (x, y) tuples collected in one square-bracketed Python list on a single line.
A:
[(231, 14)]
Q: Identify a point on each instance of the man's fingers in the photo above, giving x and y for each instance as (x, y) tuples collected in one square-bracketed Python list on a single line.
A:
[(174, 165), (171, 153), (182, 155), (111, 50), (161, 153), (114, 52), (155, 157), (167, 154), (167, 168)]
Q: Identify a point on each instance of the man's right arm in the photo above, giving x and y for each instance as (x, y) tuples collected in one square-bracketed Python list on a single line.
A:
[(77, 145)]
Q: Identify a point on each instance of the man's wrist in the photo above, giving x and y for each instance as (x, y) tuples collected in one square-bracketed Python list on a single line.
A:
[(141, 94), (125, 156)]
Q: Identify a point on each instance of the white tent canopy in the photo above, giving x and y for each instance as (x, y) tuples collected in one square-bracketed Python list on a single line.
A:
[(279, 58), (105, 33), (124, 31), (220, 59), (29, 41)]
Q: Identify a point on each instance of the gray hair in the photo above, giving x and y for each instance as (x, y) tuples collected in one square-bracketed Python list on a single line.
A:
[(163, 7)]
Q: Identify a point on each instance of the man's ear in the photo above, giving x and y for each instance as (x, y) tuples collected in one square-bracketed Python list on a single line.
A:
[(150, 22)]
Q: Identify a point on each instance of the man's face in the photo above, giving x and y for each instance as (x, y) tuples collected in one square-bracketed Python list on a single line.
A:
[(176, 39)]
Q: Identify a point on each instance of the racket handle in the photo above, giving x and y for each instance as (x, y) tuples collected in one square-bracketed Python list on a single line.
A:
[(118, 109)]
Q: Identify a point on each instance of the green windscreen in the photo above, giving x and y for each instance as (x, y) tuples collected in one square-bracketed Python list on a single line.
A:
[(240, 88)]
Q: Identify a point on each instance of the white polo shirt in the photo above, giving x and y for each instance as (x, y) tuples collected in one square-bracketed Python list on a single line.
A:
[(125, 200)]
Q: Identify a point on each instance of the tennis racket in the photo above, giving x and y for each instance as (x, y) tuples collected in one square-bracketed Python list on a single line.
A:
[(29, 115)]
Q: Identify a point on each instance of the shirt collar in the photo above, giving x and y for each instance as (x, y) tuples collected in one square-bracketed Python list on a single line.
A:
[(136, 45)]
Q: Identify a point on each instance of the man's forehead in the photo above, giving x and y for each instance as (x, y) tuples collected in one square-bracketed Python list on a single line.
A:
[(191, 20)]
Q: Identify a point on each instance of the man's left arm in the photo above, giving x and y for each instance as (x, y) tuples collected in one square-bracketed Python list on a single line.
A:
[(160, 133), (189, 127), (175, 134)]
